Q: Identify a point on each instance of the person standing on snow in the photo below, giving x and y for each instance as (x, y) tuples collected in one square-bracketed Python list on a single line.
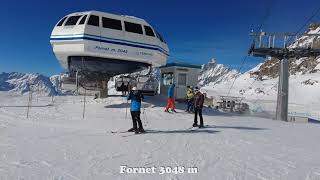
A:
[(171, 98), (198, 105), (136, 97), (189, 96)]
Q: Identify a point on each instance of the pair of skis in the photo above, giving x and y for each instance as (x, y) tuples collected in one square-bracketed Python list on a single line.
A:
[(171, 112), (125, 133)]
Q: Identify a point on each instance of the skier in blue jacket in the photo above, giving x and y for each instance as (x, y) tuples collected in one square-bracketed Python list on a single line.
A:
[(136, 97)]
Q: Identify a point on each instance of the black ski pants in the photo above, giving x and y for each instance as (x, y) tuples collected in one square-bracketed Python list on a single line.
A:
[(197, 111), (136, 119)]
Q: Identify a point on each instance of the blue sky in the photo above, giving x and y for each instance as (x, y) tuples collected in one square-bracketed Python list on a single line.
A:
[(196, 31)]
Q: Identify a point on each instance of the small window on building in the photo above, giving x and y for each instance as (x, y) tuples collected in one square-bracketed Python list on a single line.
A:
[(72, 20), (111, 23), (61, 21), (228, 104), (83, 19), (94, 20), (133, 27), (182, 79), (148, 31)]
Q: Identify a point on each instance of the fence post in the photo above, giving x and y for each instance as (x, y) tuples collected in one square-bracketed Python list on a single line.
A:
[(52, 99), (29, 102), (84, 103)]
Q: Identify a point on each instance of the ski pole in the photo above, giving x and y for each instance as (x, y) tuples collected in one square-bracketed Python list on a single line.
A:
[(143, 108), (127, 101), (126, 108), (145, 113)]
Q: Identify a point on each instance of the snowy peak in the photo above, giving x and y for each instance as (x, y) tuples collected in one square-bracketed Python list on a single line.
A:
[(22, 83), (213, 73), (309, 41)]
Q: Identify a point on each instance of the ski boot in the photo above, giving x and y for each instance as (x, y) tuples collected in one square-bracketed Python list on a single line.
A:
[(139, 131), (166, 110), (173, 110), (201, 126), (132, 129), (194, 125)]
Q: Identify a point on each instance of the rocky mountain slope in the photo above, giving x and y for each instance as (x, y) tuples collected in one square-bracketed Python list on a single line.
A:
[(22, 83), (213, 73)]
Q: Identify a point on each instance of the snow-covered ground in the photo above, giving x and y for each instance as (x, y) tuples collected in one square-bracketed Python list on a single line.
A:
[(56, 143)]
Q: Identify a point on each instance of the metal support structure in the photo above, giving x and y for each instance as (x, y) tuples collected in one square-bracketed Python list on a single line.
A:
[(282, 52), (283, 91), (273, 39)]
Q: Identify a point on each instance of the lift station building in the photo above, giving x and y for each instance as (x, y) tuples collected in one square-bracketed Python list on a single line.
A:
[(182, 75)]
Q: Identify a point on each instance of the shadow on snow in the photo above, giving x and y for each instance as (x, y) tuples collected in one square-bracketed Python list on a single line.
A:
[(206, 129), (237, 127), (180, 131)]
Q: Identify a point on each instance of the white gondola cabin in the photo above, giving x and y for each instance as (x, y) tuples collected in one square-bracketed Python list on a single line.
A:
[(105, 44)]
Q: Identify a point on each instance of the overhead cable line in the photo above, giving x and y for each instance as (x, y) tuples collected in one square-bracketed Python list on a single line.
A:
[(304, 24), (263, 21), (242, 64)]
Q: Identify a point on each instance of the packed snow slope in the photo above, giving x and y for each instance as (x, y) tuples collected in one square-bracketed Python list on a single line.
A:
[(56, 143)]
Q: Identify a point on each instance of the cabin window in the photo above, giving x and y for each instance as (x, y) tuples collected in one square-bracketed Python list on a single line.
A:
[(61, 21), (94, 20), (83, 19), (111, 23), (148, 31), (133, 27), (72, 20)]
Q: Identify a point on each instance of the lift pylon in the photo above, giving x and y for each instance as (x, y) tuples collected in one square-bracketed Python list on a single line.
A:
[(266, 45)]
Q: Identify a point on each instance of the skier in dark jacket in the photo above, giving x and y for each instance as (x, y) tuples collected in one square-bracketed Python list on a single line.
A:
[(136, 97), (198, 105)]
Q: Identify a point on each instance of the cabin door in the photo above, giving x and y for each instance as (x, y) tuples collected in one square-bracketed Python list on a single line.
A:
[(181, 86)]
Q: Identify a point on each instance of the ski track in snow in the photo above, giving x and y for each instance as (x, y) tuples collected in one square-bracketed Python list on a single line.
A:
[(56, 143)]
